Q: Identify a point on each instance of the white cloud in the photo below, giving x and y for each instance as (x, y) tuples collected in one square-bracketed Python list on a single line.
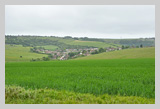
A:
[(102, 21)]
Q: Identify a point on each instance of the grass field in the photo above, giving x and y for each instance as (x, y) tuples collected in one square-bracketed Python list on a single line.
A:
[(13, 53), (87, 43), (49, 47), (131, 77), (111, 77), (91, 43), (148, 52)]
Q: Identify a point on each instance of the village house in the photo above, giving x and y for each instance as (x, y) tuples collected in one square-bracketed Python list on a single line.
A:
[(48, 52), (63, 54), (119, 48), (61, 58), (54, 57)]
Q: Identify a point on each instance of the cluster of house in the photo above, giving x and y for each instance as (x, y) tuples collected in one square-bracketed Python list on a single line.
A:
[(64, 54), (112, 49)]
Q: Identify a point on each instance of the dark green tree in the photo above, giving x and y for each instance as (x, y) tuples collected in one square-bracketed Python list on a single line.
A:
[(101, 50), (123, 47)]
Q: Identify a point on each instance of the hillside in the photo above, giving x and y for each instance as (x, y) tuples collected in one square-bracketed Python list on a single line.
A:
[(73, 42), (49, 47), (148, 52), (132, 42), (60, 42), (13, 53), (92, 43)]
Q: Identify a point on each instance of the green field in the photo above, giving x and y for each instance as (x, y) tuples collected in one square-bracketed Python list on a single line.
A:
[(18, 95), (118, 77), (86, 43), (134, 53), (13, 53), (49, 47), (73, 42), (124, 77), (92, 43)]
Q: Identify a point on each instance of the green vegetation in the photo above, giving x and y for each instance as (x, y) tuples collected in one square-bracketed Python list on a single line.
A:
[(18, 95), (69, 42), (91, 43), (15, 53), (117, 77), (148, 52), (125, 77), (132, 42), (33, 41), (49, 47)]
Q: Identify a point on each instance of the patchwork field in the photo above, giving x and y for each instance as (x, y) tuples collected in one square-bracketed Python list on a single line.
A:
[(123, 77), (13, 53)]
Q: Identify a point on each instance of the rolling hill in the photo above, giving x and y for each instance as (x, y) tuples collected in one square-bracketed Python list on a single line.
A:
[(60, 42), (13, 53), (75, 43), (92, 44), (148, 52)]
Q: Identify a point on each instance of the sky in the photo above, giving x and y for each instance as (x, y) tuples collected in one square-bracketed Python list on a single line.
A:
[(93, 21)]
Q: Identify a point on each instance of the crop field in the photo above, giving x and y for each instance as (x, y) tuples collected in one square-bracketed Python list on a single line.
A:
[(92, 43), (134, 53), (13, 53), (123, 77), (117, 77), (87, 43)]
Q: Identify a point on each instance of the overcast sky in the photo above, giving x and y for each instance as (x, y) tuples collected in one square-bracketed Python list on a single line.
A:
[(96, 21)]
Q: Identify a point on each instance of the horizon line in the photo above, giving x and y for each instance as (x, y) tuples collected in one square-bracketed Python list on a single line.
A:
[(80, 37)]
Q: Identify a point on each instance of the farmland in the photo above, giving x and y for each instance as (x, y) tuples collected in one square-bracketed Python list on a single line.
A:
[(79, 54), (13, 53), (56, 41), (70, 42), (49, 47), (91, 43), (124, 77), (134, 53)]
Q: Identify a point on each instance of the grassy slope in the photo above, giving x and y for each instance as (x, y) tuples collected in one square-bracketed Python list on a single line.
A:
[(18, 95), (49, 47), (124, 54), (90, 43), (86, 43), (13, 53)]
